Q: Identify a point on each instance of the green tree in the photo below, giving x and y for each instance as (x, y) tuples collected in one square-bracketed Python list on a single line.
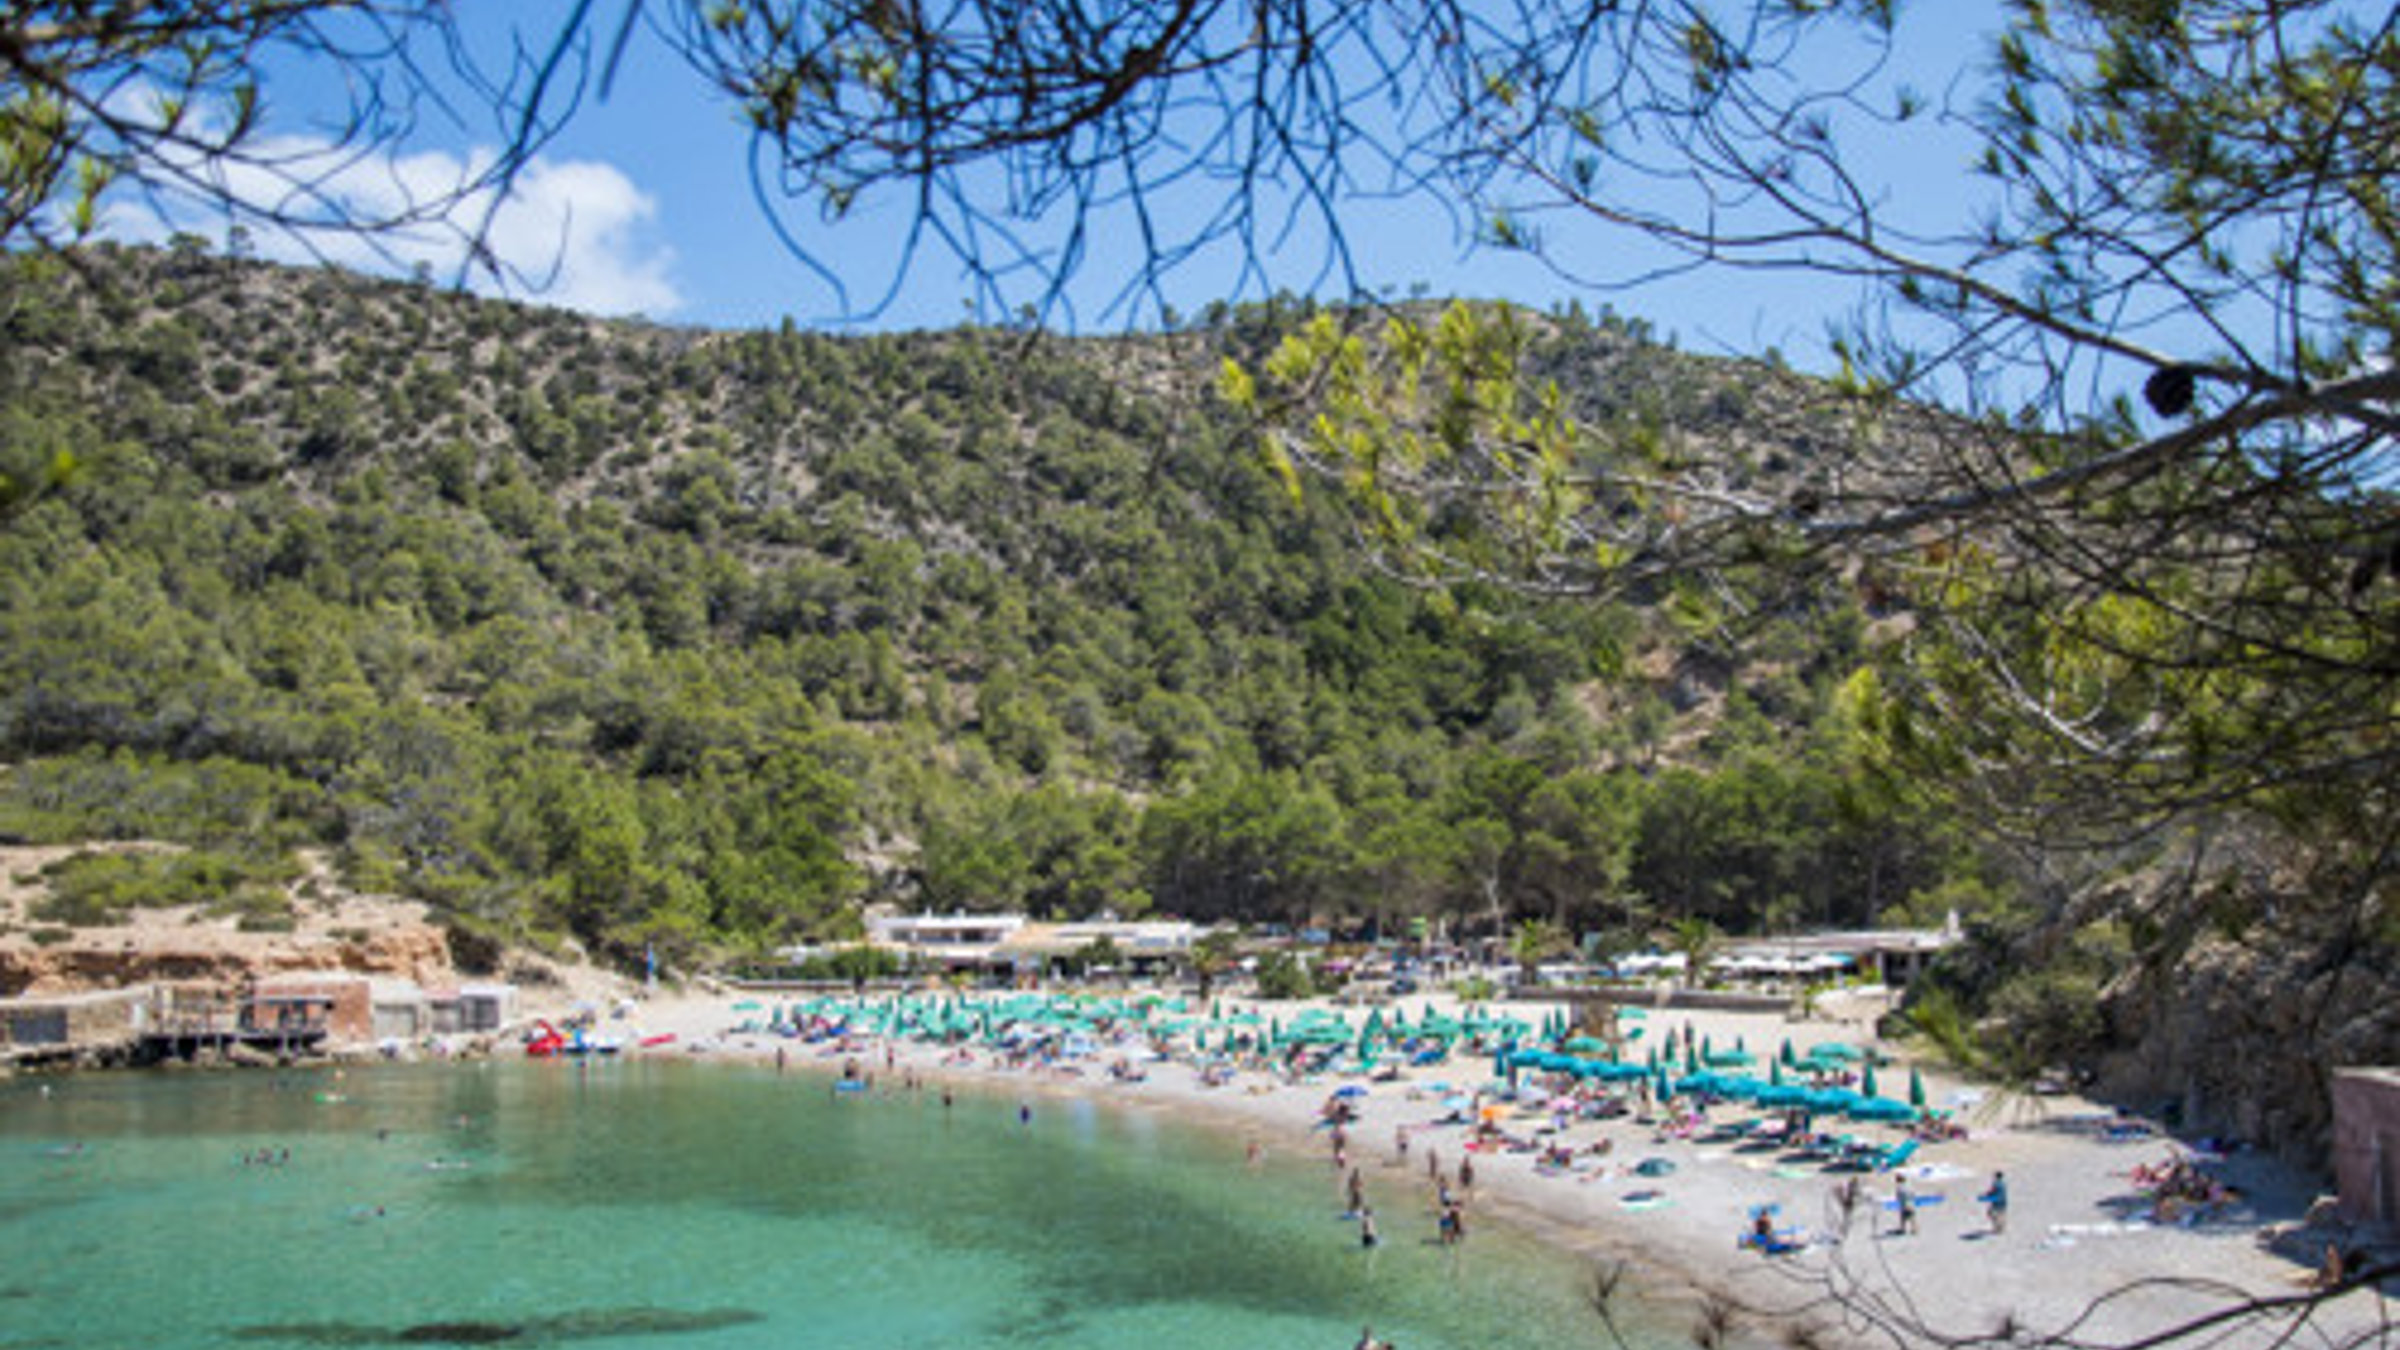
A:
[(1214, 953), (1248, 847), (1696, 940), (1533, 942)]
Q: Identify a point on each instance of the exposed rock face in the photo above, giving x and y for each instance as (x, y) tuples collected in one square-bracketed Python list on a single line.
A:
[(105, 958), (2241, 1039), (332, 930)]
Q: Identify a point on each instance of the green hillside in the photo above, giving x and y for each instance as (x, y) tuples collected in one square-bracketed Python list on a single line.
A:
[(649, 635)]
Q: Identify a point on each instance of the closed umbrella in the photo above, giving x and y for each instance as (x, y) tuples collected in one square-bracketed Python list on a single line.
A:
[(1916, 1088)]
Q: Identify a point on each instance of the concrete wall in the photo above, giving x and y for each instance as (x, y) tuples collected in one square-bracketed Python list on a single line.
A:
[(2366, 1144), (72, 1019)]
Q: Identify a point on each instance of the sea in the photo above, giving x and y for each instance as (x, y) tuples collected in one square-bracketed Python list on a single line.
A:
[(719, 1206)]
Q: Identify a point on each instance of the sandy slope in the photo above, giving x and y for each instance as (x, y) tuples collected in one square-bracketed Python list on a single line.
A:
[(2077, 1231)]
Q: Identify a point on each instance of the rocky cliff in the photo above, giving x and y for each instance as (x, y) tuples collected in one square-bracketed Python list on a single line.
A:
[(327, 929), (2241, 1039), (108, 958)]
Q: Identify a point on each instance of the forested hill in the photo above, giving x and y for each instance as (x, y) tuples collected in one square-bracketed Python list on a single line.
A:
[(656, 636)]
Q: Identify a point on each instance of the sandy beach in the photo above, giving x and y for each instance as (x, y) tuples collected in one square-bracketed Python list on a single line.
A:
[(2085, 1250)]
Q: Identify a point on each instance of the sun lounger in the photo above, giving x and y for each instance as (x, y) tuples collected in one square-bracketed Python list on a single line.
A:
[(1895, 1156)]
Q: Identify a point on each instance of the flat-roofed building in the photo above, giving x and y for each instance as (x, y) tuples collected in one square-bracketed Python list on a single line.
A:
[(949, 941)]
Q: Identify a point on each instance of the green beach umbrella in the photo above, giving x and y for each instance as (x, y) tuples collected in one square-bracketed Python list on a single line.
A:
[(1785, 1056), (1775, 1072), (1916, 1088), (1866, 1083)]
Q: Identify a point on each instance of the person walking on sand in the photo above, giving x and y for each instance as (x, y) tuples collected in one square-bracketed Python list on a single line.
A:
[(1907, 1205), (1366, 1229), (1466, 1174), (1995, 1202), (1357, 1191)]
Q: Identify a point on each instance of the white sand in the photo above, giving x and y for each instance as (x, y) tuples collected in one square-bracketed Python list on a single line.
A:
[(2080, 1242)]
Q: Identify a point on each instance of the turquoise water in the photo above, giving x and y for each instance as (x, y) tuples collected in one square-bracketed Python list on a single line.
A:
[(711, 1206)]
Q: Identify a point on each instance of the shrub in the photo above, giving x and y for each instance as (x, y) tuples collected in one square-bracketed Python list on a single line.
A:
[(1282, 975), (103, 889)]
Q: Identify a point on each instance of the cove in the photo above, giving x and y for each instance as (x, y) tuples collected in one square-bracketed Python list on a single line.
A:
[(717, 1206)]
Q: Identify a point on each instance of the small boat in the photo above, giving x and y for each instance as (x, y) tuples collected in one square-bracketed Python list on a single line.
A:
[(584, 1043)]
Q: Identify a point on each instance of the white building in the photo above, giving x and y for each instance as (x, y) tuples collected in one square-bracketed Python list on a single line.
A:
[(950, 941)]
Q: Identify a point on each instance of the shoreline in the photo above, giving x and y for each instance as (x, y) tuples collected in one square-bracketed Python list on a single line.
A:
[(2078, 1249)]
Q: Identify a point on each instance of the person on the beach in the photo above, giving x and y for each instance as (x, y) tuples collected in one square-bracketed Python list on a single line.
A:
[(1358, 1192), (1995, 1202), (1400, 1142), (1907, 1206), (1466, 1174), (1366, 1228), (1845, 1198), (2332, 1270)]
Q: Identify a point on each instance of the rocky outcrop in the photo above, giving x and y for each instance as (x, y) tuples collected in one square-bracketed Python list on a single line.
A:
[(2241, 1039), (118, 958)]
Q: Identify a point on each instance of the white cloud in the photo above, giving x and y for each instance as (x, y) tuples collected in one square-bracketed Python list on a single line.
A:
[(587, 235), (574, 233)]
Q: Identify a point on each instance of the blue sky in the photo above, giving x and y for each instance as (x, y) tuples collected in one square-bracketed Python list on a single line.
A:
[(644, 206)]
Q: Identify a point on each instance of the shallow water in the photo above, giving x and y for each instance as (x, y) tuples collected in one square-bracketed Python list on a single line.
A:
[(711, 1206)]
